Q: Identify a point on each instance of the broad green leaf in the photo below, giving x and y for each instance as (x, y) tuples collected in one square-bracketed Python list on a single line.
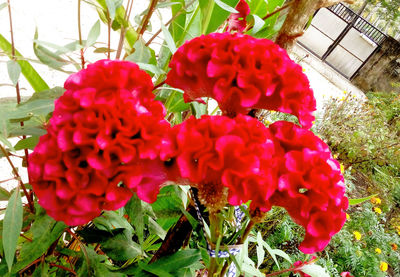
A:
[(177, 26), (176, 261), (27, 131), (14, 70), (135, 212), (258, 7), (212, 15), (198, 109), (4, 194), (150, 68), (12, 227), (168, 39), (225, 7), (45, 231), (111, 220), (314, 270), (121, 247), (175, 103), (51, 94), (94, 34), (28, 143), (142, 54), (33, 78), (360, 200), (167, 207), (39, 107)]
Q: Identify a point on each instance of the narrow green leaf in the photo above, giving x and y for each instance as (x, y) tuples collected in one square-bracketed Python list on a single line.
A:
[(225, 6), (168, 39), (34, 79), (112, 6), (103, 50), (45, 231), (260, 250), (28, 143), (14, 70), (94, 34), (4, 194), (155, 228), (360, 200), (258, 24), (12, 227)]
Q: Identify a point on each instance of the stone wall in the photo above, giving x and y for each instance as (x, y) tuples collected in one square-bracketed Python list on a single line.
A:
[(381, 72)]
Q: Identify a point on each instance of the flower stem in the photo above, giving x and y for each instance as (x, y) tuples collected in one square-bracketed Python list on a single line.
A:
[(147, 17), (15, 171), (80, 35)]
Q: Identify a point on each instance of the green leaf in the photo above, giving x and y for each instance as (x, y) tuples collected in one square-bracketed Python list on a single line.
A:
[(258, 7), (225, 6), (176, 261), (135, 212), (112, 6), (4, 194), (258, 24), (33, 78), (94, 34), (103, 50), (155, 228), (212, 15), (360, 200), (167, 207), (3, 5), (142, 54), (39, 107), (168, 39), (314, 270), (14, 70), (12, 227), (46, 56), (121, 247), (51, 94), (45, 231), (260, 249), (28, 143), (150, 68)]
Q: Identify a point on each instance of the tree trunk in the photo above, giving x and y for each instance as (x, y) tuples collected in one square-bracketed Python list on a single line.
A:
[(297, 18)]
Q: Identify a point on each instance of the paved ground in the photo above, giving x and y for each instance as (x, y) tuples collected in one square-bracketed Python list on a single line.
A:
[(55, 27)]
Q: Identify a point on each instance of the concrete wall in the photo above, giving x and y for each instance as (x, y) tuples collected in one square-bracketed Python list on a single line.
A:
[(379, 72)]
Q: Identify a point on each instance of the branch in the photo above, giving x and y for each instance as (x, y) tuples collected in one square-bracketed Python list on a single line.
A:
[(328, 3)]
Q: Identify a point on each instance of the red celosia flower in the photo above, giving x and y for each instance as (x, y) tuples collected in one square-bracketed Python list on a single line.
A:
[(311, 186), (237, 21), (346, 274), (103, 141), (216, 152), (242, 73)]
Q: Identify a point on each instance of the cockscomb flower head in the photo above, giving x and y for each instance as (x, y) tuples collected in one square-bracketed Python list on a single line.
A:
[(242, 73), (103, 142)]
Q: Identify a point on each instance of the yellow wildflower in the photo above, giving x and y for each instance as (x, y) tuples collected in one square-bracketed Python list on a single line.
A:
[(304, 70), (335, 156), (383, 266), (347, 216), (377, 210), (376, 200), (378, 250), (357, 235), (342, 168)]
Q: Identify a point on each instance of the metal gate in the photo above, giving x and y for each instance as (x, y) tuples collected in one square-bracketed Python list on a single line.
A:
[(342, 39)]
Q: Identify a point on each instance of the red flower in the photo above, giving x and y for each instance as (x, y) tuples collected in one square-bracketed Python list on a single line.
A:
[(106, 131), (242, 73), (237, 21), (310, 186), (346, 274), (215, 152)]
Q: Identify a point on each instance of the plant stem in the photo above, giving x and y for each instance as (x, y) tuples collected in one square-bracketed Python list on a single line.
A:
[(147, 17), (242, 239), (64, 268), (15, 171), (215, 222), (109, 35), (123, 30), (80, 35)]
